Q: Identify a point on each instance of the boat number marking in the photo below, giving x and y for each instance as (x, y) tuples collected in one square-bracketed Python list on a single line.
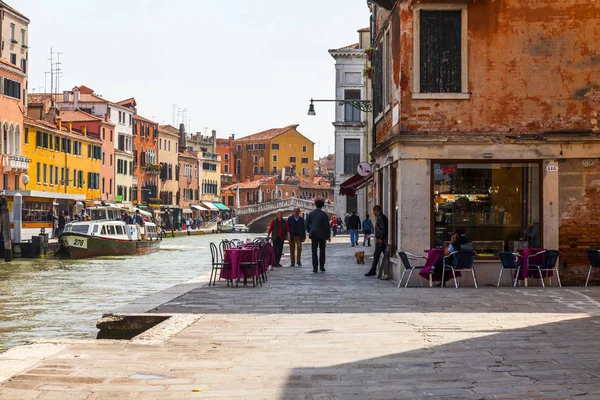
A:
[(80, 243)]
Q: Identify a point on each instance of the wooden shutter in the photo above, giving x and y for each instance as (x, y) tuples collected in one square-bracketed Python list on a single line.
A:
[(440, 57)]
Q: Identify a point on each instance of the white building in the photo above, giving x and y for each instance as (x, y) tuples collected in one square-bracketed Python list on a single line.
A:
[(352, 141)]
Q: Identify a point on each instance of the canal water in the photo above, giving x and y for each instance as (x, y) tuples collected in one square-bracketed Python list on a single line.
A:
[(50, 298)]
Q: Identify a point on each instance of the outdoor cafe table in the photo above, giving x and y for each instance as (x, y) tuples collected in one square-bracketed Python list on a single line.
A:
[(236, 256), (433, 256), (525, 273)]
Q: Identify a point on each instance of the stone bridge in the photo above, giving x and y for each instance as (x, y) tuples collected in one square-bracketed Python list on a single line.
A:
[(258, 216)]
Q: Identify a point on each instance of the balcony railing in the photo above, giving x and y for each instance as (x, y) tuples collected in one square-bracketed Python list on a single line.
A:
[(212, 156), (13, 163)]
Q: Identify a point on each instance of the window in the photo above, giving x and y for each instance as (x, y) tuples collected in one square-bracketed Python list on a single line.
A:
[(50, 141), (351, 203), (275, 169), (13, 58), (256, 146), (89, 151), (256, 170), (103, 156), (441, 60), (292, 159), (51, 174), (24, 65), (226, 156), (274, 157), (103, 184), (239, 147), (26, 137), (496, 203), (226, 168), (351, 113), (56, 182), (306, 171), (12, 33), (38, 139), (12, 88), (111, 136), (62, 175), (45, 169), (56, 143), (304, 149), (274, 146), (103, 133), (209, 166), (45, 140), (351, 155), (111, 160), (255, 159), (248, 147), (110, 186), (305, 160), (37, 173), (23, 42)]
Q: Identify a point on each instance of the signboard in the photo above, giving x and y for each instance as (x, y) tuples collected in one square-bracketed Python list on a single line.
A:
[(552, 168), (78, 242), (364, 169)]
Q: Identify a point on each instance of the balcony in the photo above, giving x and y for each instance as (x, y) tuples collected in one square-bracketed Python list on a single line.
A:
[(12, 163), (211, 156)]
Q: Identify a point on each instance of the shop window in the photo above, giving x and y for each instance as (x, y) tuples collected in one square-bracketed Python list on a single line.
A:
[(498, 204)]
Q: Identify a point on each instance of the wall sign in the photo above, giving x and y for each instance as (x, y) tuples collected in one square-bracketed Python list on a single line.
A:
[(364, 169), (552, 168)]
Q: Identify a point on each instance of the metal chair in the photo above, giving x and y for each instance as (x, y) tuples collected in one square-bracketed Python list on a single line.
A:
[(594, 257), (254, 266), (217, 265), (509, 262), (549, 263), (405, 258), (462, 260)]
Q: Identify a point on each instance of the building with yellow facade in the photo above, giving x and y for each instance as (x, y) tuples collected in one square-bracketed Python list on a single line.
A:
[(271, 151)]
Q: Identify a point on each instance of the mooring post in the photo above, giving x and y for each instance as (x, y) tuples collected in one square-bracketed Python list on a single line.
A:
[(6, 229)]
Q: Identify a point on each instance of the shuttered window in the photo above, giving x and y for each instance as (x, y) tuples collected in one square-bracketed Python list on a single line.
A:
[(440, 37)]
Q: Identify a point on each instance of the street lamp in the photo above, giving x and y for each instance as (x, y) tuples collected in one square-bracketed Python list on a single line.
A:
[(362, 105)]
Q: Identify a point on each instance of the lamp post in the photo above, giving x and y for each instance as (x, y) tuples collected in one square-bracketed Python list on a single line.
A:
[(362, 105)]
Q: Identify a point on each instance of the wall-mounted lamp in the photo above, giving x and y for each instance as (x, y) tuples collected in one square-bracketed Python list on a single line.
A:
[(488, 154), (362, 105)]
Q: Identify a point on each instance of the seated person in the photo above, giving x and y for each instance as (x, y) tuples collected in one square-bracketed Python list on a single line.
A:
[(459, 241)]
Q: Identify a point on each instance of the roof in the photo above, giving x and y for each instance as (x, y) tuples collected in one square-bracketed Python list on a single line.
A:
[(188, 154), (222, 142), (139, 117), (250, 185), (354, 46), (266, 135), (78, 116), (367, 29), (130, 102), (4, 5), (48, 125)]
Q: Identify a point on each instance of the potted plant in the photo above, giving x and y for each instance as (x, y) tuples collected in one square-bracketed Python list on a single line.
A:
[(370, 52), (368, 72)]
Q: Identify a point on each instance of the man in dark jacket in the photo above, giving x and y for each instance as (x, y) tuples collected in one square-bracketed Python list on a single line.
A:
[(297, 237), (279, 231), (317, 226), (353, 227), (381, 237)]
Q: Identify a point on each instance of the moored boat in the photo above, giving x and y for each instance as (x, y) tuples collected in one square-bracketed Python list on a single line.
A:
[(106, 235)]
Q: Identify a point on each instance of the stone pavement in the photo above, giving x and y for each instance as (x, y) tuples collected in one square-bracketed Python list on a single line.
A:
[(339, 335)]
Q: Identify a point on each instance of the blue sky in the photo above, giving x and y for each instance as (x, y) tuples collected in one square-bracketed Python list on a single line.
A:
[(238, 66)]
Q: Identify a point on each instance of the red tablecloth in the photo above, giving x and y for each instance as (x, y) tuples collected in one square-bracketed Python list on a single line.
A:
[(434, 257), (525, 261), (236, 256)]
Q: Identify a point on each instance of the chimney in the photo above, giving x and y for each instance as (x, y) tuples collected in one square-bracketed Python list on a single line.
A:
[(67, 96), (84, 130), (70, 126), (182, 138), (76, 98), (59, 124)]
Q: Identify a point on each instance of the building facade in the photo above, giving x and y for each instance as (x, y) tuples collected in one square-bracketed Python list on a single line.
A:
[(351, 123), (187, 175), (168, 139), (146, 168), (210, 176), (477, 127), (14, 31), (269, 152), (104, 130)]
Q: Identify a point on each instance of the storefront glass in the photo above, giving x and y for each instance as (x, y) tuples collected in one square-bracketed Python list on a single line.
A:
[(498, 204)]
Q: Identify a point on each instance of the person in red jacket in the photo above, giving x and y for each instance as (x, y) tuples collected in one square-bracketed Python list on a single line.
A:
[(279, 231)]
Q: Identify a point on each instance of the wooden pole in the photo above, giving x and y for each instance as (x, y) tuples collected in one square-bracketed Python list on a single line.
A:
[(8, 256)]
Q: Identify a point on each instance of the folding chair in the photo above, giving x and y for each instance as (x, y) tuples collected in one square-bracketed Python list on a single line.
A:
[(549, 263), (405, 258), (509, 262), (463, 260), (594, 257)]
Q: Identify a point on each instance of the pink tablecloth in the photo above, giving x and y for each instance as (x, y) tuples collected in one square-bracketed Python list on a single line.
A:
[(434, 256), (236, 256), (525, 261)]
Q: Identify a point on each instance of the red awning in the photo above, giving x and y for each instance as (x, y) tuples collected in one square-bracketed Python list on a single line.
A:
[(354, 183)]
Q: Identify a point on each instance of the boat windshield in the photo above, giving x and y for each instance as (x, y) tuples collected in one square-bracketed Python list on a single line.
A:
[(80, 228)]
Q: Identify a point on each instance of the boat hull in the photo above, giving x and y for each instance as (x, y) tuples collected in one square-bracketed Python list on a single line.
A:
[(77, 246)]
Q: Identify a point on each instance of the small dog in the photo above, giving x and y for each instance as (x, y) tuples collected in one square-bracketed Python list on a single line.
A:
[(360, 257)]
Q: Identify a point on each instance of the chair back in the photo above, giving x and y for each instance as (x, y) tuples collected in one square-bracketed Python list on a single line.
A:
[(508, 260), (405, 260), (594, 257), (214, 252), (550, 259), (464, 259), (226, 244)]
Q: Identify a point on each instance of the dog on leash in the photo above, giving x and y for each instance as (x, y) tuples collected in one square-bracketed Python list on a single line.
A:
[(360, 257)]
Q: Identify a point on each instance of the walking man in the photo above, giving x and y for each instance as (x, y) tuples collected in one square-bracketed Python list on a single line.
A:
[(279, 232), (317, 226), (297, 236), (367, 226), (381, 236), (353, 226)]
